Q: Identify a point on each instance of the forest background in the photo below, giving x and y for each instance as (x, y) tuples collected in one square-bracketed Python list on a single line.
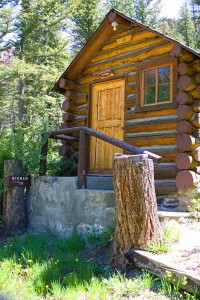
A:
[(40, 38)]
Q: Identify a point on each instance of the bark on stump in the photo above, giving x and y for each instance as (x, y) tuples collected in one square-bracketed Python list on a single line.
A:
[(137, 223), (14, 212)]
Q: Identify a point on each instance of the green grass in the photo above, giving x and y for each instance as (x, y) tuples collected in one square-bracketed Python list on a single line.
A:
[(171, 233), (45, 266)]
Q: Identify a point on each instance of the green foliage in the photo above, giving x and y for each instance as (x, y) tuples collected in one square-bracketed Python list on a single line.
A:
[(171, 233), (85, 20), (100, 237), (195, 205), (35, 266)]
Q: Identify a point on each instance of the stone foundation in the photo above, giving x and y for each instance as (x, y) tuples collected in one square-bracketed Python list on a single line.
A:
[(55, 204)]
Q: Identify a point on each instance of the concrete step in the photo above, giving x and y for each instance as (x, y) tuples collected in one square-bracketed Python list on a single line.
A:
[(101, 182)]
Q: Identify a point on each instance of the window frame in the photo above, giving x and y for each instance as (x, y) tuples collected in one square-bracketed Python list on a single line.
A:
[(145, 66)]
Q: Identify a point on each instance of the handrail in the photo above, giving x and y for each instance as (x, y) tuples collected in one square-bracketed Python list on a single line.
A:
[(83, 147)]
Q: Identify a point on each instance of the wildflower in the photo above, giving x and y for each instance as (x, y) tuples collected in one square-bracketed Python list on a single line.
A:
[(46, 286), (10, 245), (5, 246), (76, 259), (29, 261)]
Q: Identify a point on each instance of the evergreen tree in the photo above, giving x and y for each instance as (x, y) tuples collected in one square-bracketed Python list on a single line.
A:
[(85, 19), (147, 12), (185, 25)]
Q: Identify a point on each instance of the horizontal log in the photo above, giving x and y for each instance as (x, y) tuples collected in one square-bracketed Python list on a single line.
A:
[(131, 46), (152, 124), (138, 36), (195, 93), (185, 69), (131, 77), (151, 140), (182, 54), (67, 84), (81, 110), (184, 98), (185, 127), (196, 154), (68, 106), (75, 156), (186, 83), (64, 138), (67, 117), (155, 265), (75, 146), (165, 187), (79, 121), (64, 131), (130, 88), (185, 112), (64, 125), (196, 133), (65, 150), (130, 101), (196, 106), (78, 98), (185, 161), (131, 115), (197, 78), (196, 65), (195, 120), (186, 142), (129, 57), (165, 171), (186, 179)]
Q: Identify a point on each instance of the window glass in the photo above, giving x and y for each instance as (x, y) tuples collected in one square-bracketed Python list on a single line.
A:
[(156, 85), (149, 95), (150, 78), (163, 74), (164, 93)]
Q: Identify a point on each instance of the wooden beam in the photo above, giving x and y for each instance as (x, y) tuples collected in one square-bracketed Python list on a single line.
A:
[(186, 179), (196, 65), (155, 265), (186, 83), (185, 161), (67, 84), (185, 112), (196, 93), (185, 127), (43, 160), (184, 98), (82, 161), (186, 142), (182, 54), (185, 69)]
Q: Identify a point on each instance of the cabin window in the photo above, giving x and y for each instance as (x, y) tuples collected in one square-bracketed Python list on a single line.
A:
[(157, 85)]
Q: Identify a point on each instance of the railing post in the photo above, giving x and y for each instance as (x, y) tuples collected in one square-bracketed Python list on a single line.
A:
[(82, 160), (43, 160)]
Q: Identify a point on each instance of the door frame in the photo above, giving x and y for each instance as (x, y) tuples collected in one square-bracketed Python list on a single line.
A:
[(89, 111)]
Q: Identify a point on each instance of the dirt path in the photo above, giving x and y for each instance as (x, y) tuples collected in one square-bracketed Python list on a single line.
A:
[(185, 254)]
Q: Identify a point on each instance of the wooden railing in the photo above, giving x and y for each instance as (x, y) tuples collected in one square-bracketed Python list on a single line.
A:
[(84, 131)]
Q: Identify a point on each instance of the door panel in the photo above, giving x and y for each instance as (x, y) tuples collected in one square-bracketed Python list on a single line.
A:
[(107, 116)]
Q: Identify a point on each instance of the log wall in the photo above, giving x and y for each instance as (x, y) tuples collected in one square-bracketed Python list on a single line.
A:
[(153, 130), (188, 108)]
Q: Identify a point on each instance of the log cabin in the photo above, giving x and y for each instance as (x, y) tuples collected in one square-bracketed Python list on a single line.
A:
[(141, 87)]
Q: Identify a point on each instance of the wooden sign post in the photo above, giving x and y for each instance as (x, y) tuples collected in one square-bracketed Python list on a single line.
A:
[(14, 212)]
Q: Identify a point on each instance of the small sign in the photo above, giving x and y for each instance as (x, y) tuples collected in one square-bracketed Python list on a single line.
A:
[(125, 39), (23, 181)]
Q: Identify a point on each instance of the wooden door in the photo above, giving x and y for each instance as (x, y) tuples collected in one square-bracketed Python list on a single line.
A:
[(107, 116)]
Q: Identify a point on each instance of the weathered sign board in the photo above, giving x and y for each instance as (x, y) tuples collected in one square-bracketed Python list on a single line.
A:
[(23, 180)]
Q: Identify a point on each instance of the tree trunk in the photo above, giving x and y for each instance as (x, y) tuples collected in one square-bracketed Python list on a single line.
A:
[(137, 223), (13, 202)]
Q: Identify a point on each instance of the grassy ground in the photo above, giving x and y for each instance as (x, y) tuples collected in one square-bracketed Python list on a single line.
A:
[(45, 266)]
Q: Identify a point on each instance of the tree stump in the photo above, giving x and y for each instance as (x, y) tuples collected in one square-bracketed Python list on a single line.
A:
[(137, 223), (14, 213)]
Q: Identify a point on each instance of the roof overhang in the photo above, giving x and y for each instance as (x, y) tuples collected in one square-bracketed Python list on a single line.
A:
[(103, 33)]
